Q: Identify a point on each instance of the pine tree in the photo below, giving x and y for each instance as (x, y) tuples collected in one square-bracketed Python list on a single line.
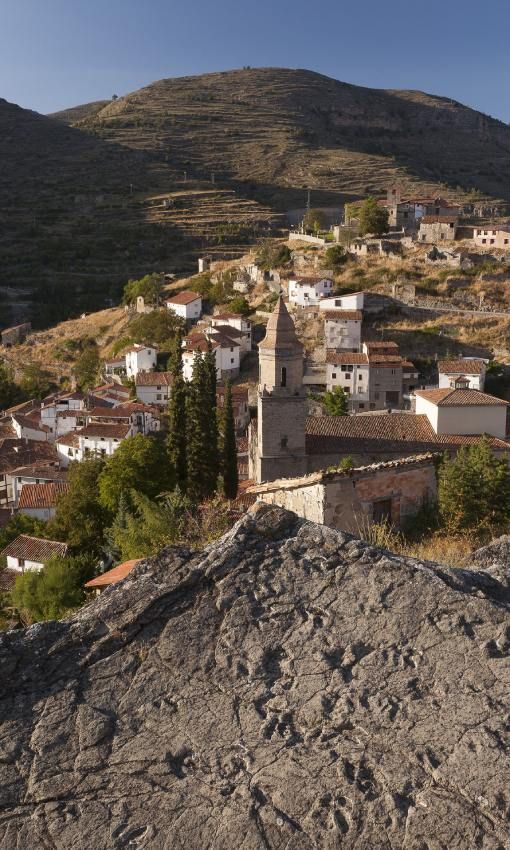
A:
[(211, 420), (176, 440), (229, 449)]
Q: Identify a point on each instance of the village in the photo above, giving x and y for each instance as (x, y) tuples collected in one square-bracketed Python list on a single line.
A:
[(332, 419)]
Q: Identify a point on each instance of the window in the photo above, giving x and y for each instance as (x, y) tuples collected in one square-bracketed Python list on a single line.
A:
[(231, 359), (158, 388), (484, 241), (283, 377), (381, 510), (283, 442), (347, 377), (158, 396), (361, 405), (232, 350), (376, 396), (360, 376), (333, 376), (492, 241), (21, 562), (372, 406)]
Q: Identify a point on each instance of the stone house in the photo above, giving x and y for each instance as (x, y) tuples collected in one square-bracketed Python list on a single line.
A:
[(438, 228), (40, 500), (497, 236), (342, 329), (239, 404), (140, 418), (349, 370), (154, 388), (351, 499), (187, 305), (140, 358), (308, 291), (227, 353), (31, 553), (16, 334), (472, 369), (363, 247), (461, 410)]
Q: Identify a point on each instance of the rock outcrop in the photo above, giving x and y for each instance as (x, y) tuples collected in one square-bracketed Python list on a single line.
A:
[(289, 687)]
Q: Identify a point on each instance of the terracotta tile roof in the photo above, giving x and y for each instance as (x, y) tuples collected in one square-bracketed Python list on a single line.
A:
[(24, 407), (47, 473), (385, 360), (34, 549), (344, 315), (337, 358), (224, 339), (226, 315), (7, 579), (407, 365), (70, 440), (185, 297), (29, 422), (114, 389), (377, 345), (448, 397), (114, 575), (41, 495), (16, 453), (198, 342), (121, 411), (226, 330), (239, 392), (405, 433), (135, 349), (154, 379), (309, 280), (462, 366), (99, 429)]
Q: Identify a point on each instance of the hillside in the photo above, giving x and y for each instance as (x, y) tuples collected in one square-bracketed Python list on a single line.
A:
[(79, 113), (289, 687), (277, 130), (81, 215)]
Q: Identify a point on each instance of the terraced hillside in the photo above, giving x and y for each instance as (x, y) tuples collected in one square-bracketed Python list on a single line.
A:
[(81, 215), (279, 130)]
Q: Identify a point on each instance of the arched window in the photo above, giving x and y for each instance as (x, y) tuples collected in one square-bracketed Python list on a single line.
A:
[(283, 380)]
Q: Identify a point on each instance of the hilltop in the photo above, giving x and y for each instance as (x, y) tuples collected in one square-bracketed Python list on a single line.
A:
[(81, 215), (277, 130), (290, 686)]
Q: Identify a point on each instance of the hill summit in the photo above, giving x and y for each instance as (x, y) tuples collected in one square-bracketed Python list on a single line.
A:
[(288, 687)]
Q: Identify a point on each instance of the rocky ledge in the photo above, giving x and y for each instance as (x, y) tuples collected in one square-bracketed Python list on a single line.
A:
[(289, 687)]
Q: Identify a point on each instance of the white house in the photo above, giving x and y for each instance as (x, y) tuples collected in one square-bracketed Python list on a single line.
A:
[(463, 411), (101, 439), (342, 329), (473, 369), (43, 474), (154, 388), (239, 323), (68, 448), (308, 291), (187, 305), (353, 301), (29, 428), (62, 413), (140, 358), (115, 368), (349, 370), (495, 236), (40, 500), (140, 418), (227, 353), (31, 553)]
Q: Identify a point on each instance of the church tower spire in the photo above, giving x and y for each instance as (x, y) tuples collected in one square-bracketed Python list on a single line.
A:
[(278, 450)]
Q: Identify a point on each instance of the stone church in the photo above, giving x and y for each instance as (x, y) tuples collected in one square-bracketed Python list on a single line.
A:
[(286, 443)]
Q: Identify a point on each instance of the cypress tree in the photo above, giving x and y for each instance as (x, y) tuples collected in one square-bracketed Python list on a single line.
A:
[(176, 440), (197, 429), (229, 449), (211, 420)]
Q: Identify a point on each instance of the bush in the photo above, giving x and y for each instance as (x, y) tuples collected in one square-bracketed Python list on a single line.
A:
[(335, 257), (150, 287), (55, 591)]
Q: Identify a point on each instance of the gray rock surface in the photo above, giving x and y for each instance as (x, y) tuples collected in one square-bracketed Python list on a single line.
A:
[(290, 687)]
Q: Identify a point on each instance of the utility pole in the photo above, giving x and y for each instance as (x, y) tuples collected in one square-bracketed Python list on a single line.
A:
[(308, 200), (212, 177), (185, 176)]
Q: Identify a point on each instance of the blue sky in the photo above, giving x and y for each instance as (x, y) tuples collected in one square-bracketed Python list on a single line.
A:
[(59, 53)]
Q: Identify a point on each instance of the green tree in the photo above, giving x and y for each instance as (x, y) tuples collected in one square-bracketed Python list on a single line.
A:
[(150, 287), (271, 256), (239, 304), (35, 381), (86, 368), (197, 429), (373, 218), (21, 524), (229, 448), (211, 421), (157, 328), (177, 431), (333, 401), (335, 257), (314, 220), (474, 490), (10, 392), (140, 463), (150, 525), (55, 591), (80, 518)]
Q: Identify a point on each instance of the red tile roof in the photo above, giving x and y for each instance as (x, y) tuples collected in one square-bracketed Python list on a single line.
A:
[(439, 219), (7, 579), (344, 315), (41, 495), (374, 345), (226, 315), (462, 366), (154, 379), (114, 575), (70, 440), (16, 453), (34, 549), (99, 429), (337, 358), (47, 473), (185, 297), (448, 397)]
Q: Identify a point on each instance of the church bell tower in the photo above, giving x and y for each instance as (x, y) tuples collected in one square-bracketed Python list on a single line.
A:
[(279, 449)]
